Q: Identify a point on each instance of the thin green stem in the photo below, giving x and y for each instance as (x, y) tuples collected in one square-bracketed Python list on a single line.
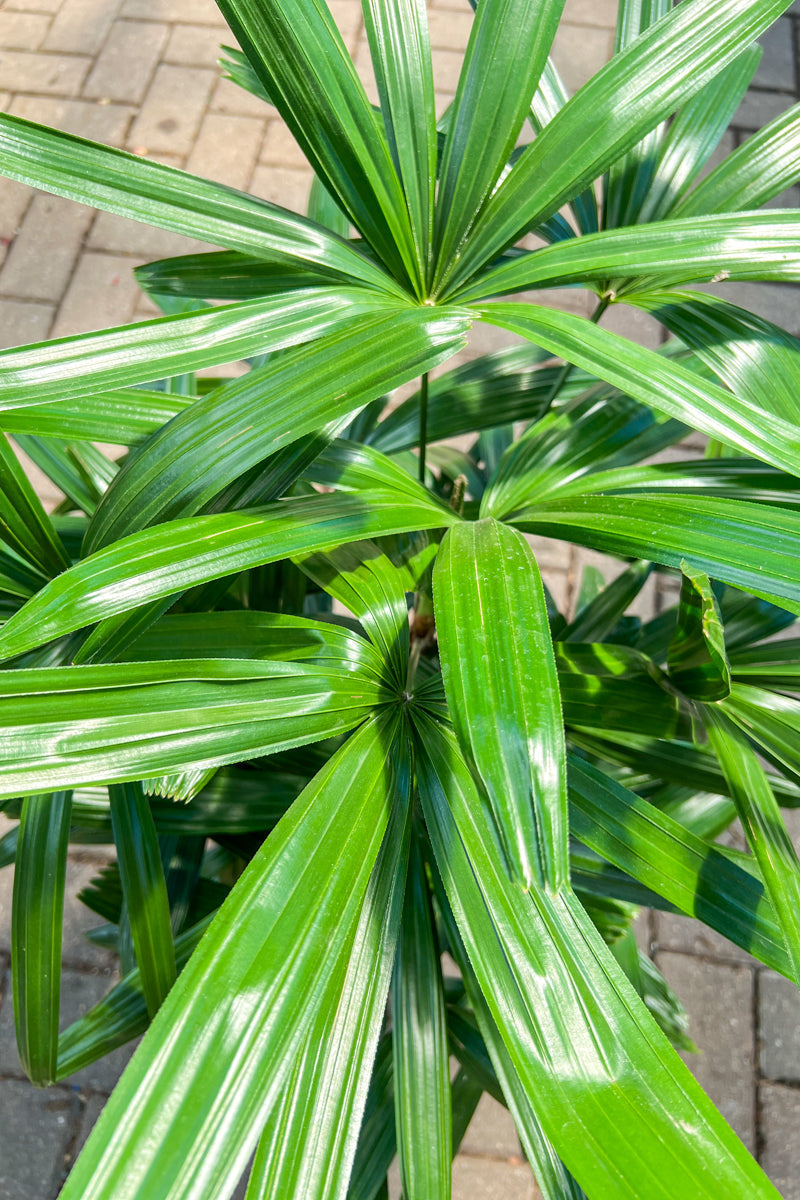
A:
[(423, 425)]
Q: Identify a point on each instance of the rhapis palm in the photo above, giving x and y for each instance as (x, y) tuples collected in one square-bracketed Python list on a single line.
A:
[(485, 776)]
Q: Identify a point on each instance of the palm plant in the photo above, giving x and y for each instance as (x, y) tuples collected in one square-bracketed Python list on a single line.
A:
[(445, 762)]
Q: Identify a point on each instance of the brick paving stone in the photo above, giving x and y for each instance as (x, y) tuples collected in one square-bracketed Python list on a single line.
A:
[(75, 950), (449, 31), (23, 31), (779, 1027), (777, 66), (718, 1000), (558, 584), (226, 149), (52, 74), (14, 200), (446, 69), (551, 554), (491, 1132), (760, 107), (6, 889), (289, 188), (791, 817), (591, 12), (41, 6), (170, 116), (127, 61), (80, 26), (42, 255), (119, 235), (442, 101), (676, 932), (780, 1152), (173, 45), (196, 45), (106, 123), (483, 1178), (642, 930), (490, 1180), (228, 97), (579, 52), (102, 293), (348, 18), (89, 1113), (363, 64), (37, 1128), (279, 147), (194, 12), (23, 323)]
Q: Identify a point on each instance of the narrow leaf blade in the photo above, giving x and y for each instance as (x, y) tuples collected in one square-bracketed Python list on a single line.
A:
[(507, 717)]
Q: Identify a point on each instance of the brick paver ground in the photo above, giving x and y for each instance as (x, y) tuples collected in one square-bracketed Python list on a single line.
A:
[(142, 74)]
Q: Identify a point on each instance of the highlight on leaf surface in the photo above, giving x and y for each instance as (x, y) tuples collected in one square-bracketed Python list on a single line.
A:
[(297, 661)]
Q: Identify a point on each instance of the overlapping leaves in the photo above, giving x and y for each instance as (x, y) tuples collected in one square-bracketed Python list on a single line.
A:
[(552, 750)]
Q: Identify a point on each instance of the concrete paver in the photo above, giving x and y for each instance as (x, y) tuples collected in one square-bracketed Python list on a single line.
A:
[(21, 323), (37, 1129), (722, 1028), (287, 186), (127, 61), (229, 98), (97, 120), (22, 31), (170, 116), (120, 235), (674, 932), (79, 28), (51, 236), (780, 1155), (779, 1027), (143, 74), (491, 1180), (98, 278), (194, 45), (778, 66), (51, 74), (759, 107), (579, 51), (226, 149), (492, 1132)]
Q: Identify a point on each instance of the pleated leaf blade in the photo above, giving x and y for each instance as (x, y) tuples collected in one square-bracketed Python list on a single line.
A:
[(502, 687)]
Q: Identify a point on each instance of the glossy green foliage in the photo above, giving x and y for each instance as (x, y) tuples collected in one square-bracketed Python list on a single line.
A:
[(696, 656), (297, 656), (41, 865), (507, 712), (561, 1002), (423, 1109), (144, 891)]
